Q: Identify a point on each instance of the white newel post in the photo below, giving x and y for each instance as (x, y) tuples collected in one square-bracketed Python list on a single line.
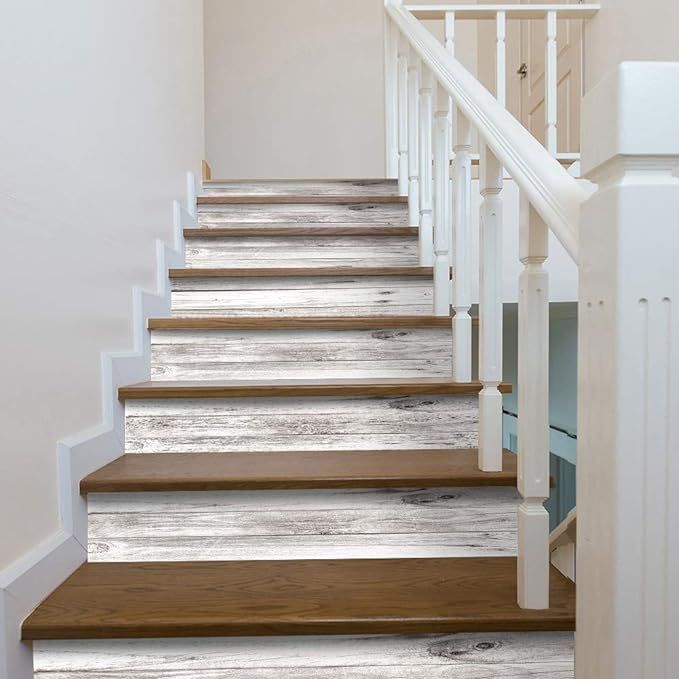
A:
[(391, 97), (628, 379), (403, 51), (426, 235), (501, 57), (462, 252), (413, 140), (490, 313), (533, 406), (441, 210)]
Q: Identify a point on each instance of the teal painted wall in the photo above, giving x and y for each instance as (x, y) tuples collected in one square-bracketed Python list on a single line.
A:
[(563, 373)]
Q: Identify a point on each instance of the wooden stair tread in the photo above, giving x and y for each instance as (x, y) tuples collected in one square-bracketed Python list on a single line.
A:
[(281, 199), (281, 470), (352, 271), (300, 230), (341, 596), (392, 387), (300, 322)]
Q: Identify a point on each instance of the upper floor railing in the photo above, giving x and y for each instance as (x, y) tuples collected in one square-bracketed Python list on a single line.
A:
[(432, 99)]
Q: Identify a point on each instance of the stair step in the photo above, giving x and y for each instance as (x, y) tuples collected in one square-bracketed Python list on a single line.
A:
[(170, 389), (302, 291), (301, 322), (297, 230), (303, 187), (296, 470), (310, 199), (277, 272), (246, 598), (263, 249)]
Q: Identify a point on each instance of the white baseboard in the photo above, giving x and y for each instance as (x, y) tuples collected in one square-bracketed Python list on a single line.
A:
[(26, 582)]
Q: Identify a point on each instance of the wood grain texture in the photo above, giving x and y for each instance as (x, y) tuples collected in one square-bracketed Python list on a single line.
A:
[(319, 423), (297, 231), (169, 389), (296, 470), (221, 216), (302, 524), (295, 199), (295, 296), (278, 272), (302, 353), (300, 251), (490, 655), (374, 323), (356, 596), (304, 187)]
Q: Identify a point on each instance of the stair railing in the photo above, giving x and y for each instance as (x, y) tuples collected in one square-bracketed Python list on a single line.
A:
[(427, 73)]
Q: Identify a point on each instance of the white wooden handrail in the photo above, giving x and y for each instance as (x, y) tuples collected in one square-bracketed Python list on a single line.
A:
[(555, 195)]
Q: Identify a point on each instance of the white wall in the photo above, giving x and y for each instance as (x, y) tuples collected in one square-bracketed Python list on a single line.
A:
[(101, 115), (295, 88)]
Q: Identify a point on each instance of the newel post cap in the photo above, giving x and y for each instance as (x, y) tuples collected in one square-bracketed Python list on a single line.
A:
[(634, 111)]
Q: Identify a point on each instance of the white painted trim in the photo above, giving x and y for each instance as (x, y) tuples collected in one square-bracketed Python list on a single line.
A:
[(27, 581)]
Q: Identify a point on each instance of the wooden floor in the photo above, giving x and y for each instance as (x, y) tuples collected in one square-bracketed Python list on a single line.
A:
[(355, 596)]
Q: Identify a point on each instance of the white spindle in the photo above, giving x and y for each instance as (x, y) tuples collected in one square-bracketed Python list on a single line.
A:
[(533, 406), (501, 58), (551, 85), (462, 252), (403, 51), (449, 41), (441, 209), (413, 140), (490, 312), (426, 241), (391, 97)]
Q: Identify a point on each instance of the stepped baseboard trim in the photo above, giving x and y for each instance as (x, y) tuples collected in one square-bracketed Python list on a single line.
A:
[(27, 581)]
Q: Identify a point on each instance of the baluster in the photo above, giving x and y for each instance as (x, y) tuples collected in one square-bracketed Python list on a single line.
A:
[(501, 58), (441, 214), (490, 312), (533, 406), (426, 242), (403, 50), (462, 252), (551, 85), (413, 140), (449, 39), (391, 96)]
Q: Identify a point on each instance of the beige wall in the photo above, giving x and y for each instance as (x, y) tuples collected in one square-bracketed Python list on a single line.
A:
[(295, 88), (629, 30), (101, 115)]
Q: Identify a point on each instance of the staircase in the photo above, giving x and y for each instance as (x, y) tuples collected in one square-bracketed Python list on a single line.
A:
[(301, 495)]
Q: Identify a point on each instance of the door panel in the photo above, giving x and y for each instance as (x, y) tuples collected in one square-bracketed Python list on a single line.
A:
[(569, 78)]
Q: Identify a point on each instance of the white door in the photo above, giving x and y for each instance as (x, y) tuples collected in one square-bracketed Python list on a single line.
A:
[(569, 77)]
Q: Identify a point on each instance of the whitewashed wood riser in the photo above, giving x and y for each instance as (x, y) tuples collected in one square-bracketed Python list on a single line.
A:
[(300, 354), (284, 423), (302, 524), (302, 251), (303, 296), (528, 655), (290, 187), (360, 213)]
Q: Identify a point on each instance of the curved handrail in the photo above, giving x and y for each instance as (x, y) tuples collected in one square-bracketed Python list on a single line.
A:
[(554, 193)]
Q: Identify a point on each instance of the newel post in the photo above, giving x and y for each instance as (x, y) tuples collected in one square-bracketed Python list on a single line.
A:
[(628, 378)]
